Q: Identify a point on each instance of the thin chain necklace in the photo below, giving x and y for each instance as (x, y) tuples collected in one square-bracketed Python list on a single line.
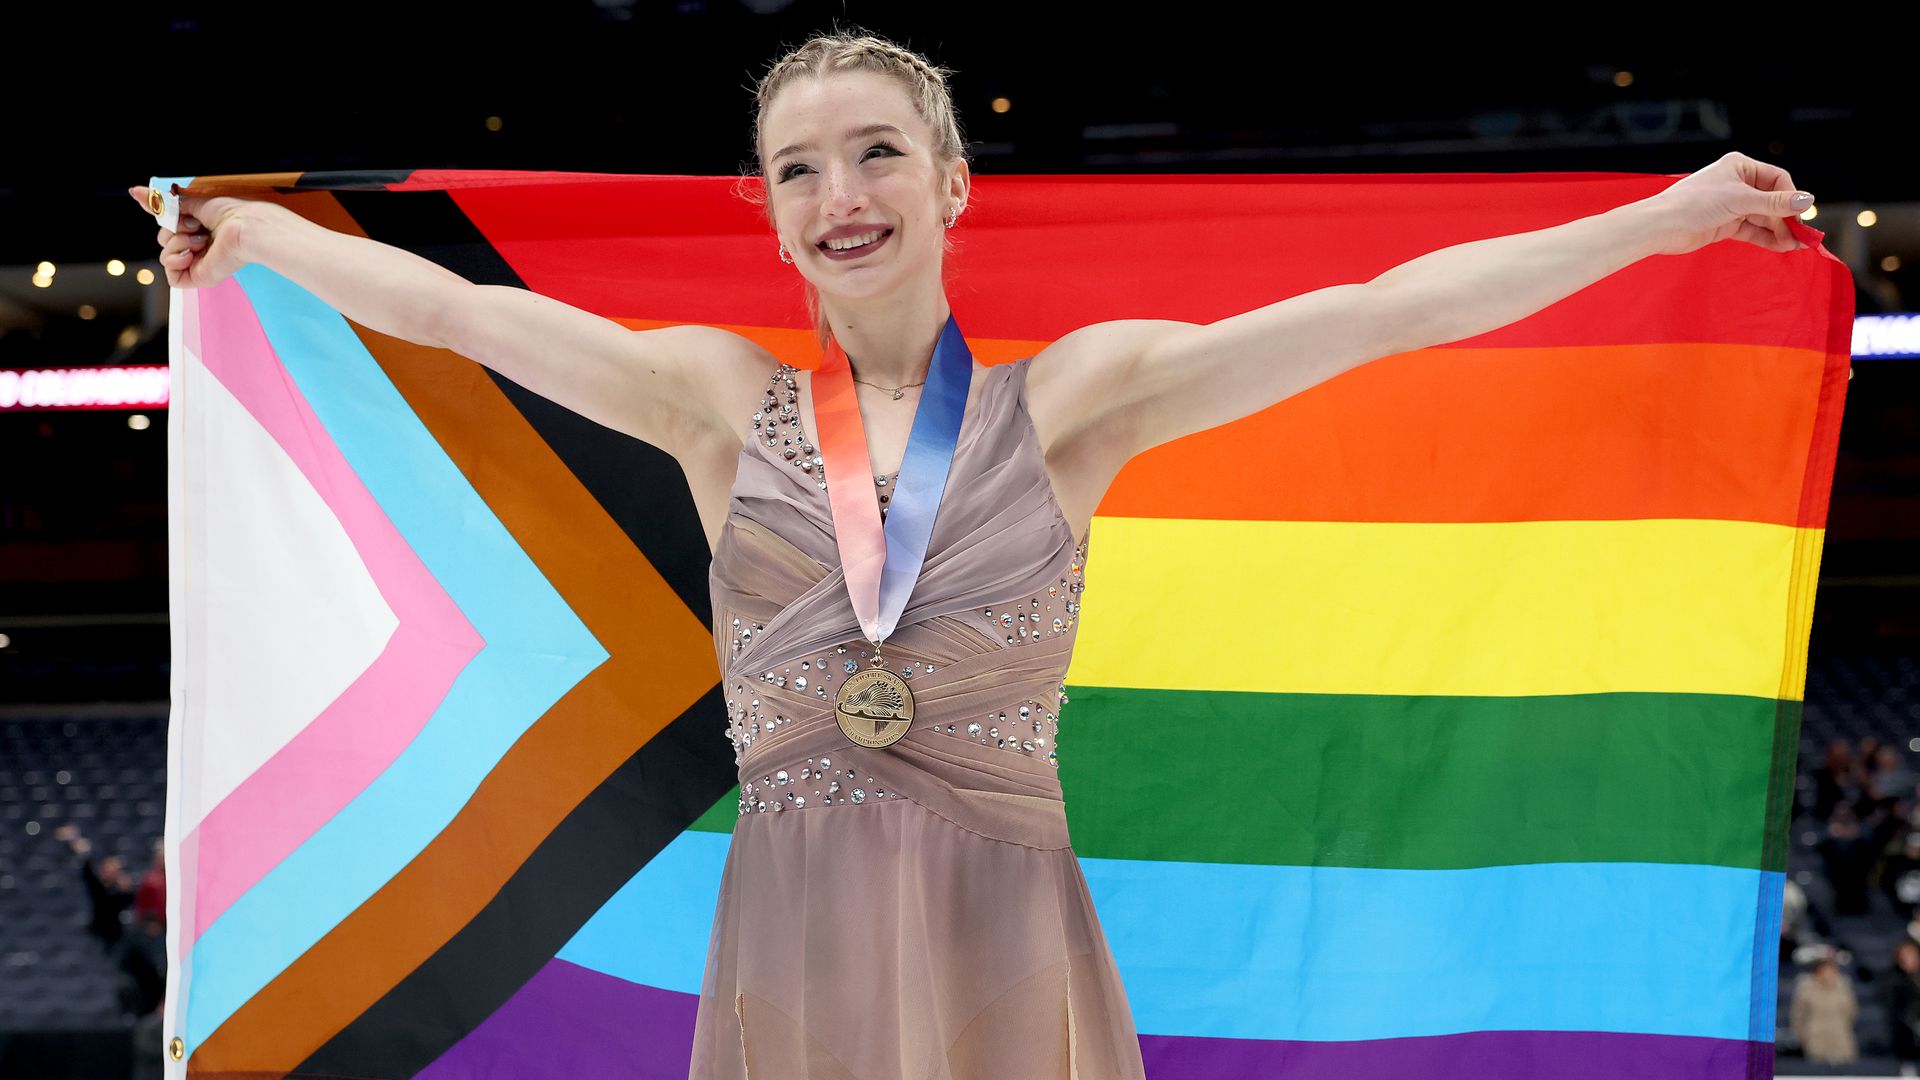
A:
[(881, 480), (896, 389)]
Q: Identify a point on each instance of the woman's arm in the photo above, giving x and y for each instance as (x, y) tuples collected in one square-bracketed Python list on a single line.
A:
[(382, 287), (1171, 379), (650, 384), (1161, 380), (1467, 289)]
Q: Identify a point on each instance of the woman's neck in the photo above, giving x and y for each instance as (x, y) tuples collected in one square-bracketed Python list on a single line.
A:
[(890, 342)]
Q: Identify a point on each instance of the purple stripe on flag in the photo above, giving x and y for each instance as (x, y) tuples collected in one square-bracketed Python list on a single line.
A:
[(1476, 1055), (570, 1020)]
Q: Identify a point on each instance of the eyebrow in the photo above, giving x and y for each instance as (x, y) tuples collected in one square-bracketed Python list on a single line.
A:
[(856, 133)]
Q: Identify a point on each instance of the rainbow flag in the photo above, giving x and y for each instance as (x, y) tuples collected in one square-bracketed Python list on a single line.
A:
[(1437, 721)]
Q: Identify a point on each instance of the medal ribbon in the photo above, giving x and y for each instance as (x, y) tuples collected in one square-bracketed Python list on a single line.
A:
[(882, 562)]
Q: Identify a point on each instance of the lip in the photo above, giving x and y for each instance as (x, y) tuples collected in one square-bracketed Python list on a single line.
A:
[(849, 256)]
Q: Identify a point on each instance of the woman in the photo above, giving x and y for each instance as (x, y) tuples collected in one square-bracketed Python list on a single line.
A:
[(1821, 1014), (900, 897)]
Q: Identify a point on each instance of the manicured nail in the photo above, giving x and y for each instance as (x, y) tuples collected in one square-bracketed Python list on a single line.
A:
[(1801, 200)]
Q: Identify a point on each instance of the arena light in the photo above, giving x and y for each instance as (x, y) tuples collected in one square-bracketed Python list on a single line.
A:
[(1887, 337), (61, 389)]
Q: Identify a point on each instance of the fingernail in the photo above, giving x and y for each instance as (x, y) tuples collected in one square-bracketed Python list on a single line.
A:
[(1801, 200)]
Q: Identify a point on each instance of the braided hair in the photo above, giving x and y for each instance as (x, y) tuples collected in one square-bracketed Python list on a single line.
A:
[(854, 50)]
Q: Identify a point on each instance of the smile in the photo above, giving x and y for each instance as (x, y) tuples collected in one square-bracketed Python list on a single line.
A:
[(854, 253)]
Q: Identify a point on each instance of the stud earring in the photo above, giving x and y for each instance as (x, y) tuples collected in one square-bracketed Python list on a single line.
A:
[(784, 257)]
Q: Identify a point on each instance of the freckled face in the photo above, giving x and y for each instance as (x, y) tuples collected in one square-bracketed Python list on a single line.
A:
[(886, 177)]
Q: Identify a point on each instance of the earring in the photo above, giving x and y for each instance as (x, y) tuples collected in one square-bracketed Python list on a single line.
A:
[(784, 257), (953, 216)]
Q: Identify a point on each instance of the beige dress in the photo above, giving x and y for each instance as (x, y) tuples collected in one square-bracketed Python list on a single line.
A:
[(1822, 1016), (913, 912)]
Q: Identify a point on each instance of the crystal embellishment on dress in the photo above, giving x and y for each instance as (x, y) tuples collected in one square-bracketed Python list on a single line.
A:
[(1032, 730), (784, 396), (1046, 615), (819, 783), (796, 448)]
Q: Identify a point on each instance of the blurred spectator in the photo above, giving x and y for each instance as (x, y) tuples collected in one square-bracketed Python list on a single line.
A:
[(150, 901), (1867, 753), (1903, 1005), (140, 967), (1900, 875), (1837, 781), (1885, 796), (1892, 779), (1848, 859), (1793, 918), (1822, 1013), (109, 886)]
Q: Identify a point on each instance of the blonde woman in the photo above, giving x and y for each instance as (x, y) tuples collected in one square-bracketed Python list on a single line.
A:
[(900, 898)]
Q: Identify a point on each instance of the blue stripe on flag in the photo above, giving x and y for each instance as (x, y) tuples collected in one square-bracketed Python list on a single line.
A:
[(537, 649)]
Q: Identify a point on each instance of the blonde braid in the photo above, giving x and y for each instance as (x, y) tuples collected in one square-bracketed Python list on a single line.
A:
[(924, 83)]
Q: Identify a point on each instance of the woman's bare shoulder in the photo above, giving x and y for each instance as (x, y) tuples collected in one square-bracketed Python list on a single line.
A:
[(1074, 382), (726, 375)]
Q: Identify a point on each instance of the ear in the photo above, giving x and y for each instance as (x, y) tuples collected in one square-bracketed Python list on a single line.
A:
[(959, 182)]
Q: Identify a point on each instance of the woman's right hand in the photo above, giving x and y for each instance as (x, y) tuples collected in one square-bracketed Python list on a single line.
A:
[(207, 248)]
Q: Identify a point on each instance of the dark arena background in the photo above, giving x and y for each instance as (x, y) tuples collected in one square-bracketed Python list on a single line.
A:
[(104, 98)]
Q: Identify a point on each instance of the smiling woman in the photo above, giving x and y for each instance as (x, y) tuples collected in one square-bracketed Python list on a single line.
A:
[(867, 140), (910, 908)]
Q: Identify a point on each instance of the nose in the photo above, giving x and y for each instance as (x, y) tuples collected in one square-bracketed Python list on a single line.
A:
[(846, 193)]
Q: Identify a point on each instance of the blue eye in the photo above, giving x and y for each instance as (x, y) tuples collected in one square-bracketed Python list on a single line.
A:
[(888, 147)]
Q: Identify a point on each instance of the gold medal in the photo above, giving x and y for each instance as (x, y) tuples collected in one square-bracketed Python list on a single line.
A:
[(874, 707)]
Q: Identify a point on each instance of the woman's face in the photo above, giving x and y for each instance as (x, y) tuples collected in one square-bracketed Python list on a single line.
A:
[(887, 178)]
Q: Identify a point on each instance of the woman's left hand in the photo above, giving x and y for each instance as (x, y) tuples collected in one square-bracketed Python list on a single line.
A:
[(1735, 197)]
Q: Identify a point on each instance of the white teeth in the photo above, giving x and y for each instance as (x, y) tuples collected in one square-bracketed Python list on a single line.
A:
[(855, 241)]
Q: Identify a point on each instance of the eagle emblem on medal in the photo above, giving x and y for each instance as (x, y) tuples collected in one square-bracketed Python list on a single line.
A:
[(874, 707)]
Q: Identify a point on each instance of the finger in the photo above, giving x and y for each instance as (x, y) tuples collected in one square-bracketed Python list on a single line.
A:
[(1775, 204), (165, 235), (189, 224), (1775, 225), (1761, 236), (1764, 176)]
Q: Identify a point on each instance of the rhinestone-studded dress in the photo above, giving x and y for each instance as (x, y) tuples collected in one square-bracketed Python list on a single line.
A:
[(913, 912)]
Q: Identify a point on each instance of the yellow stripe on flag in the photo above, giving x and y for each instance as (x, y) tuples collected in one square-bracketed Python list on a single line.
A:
[(1481, 608)]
